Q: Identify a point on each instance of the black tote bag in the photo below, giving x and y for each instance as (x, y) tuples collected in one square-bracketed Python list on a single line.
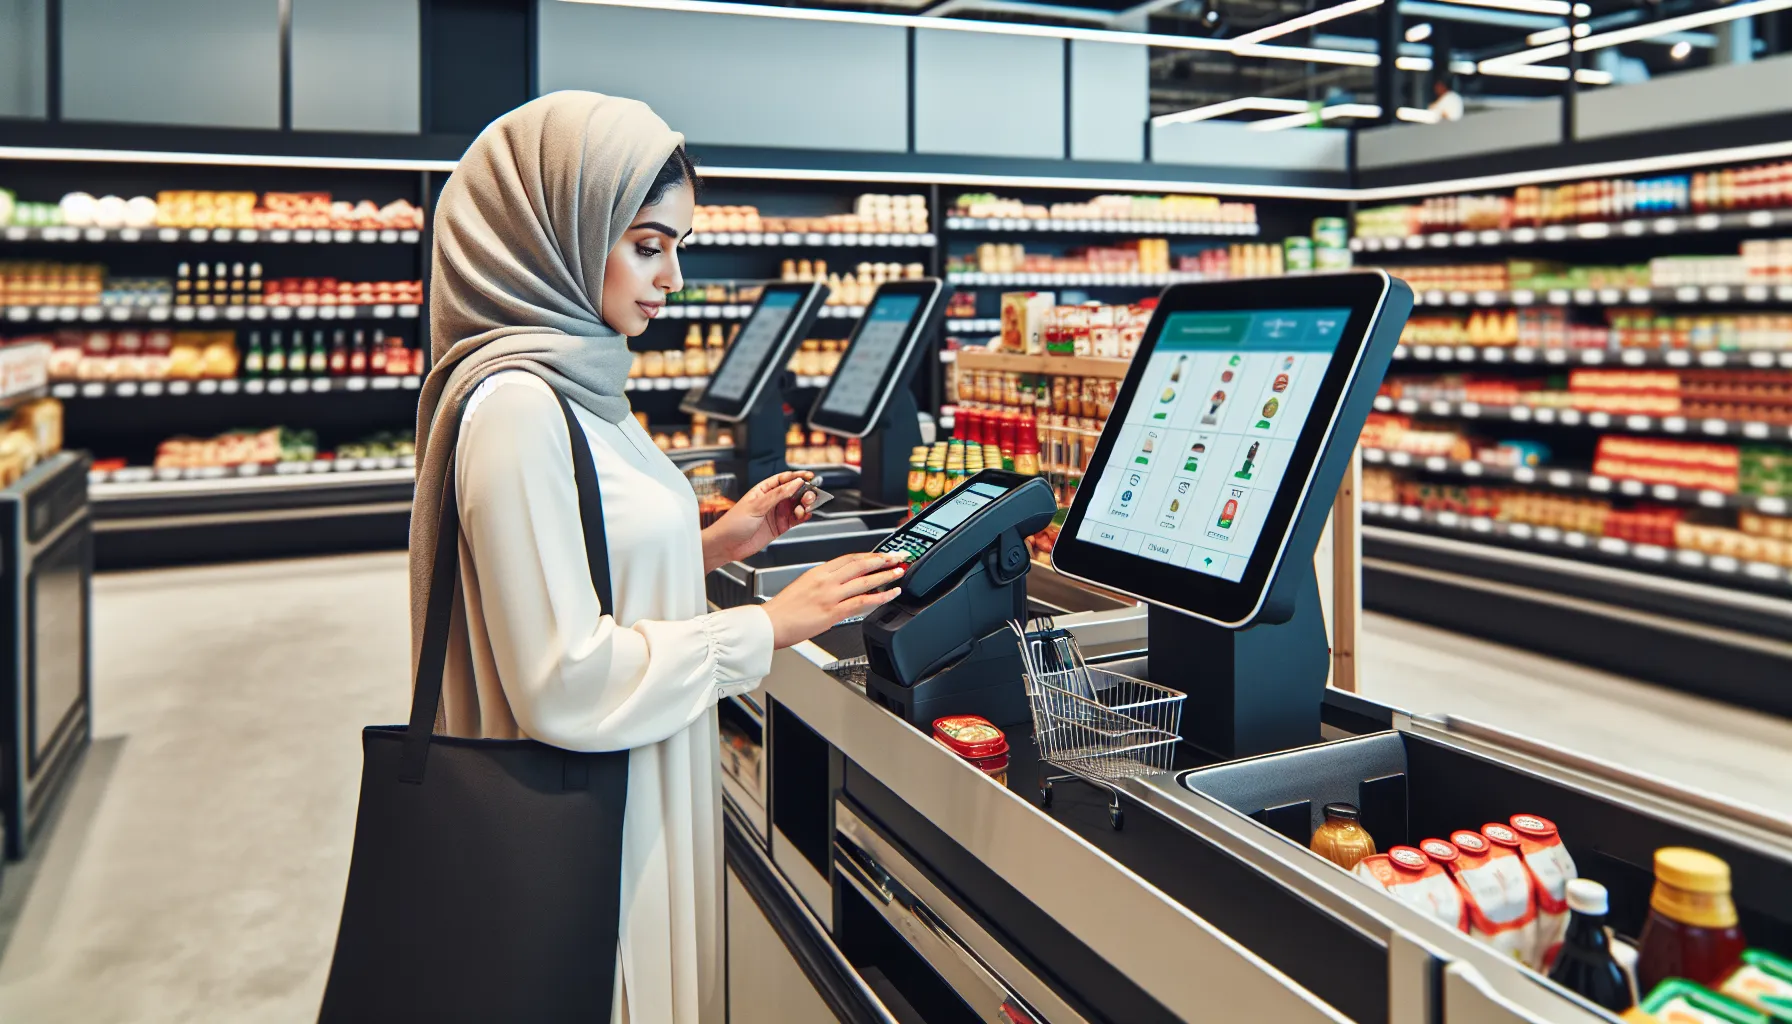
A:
[(485, 883)]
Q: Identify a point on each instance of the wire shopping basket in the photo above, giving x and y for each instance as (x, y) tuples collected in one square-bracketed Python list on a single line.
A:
[(1127, 728)]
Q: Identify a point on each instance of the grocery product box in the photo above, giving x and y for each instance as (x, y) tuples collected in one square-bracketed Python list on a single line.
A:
[(1023, 320)]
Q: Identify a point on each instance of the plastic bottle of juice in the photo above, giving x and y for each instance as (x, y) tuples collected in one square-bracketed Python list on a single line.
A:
[(1692, 931), (917, 480)]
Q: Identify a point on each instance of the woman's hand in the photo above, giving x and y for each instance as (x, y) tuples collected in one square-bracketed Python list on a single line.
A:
[(820, 598), (763, 515)]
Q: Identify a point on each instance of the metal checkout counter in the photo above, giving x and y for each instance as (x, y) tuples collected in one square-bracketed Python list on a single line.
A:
[(873, 875)]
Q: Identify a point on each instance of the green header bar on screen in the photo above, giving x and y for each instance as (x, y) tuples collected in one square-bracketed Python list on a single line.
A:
[(1271, 330)]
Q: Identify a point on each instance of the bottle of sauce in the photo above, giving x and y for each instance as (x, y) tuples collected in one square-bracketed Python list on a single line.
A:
[(357, 354), (1342, 838), (339, 354), (936, 473), (917, 480), (1692, 931), (276, 361), (254, 360), (1584, 963), (1026, 447)]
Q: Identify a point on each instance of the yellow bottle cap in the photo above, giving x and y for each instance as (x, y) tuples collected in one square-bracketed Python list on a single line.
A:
[(1691, 870)]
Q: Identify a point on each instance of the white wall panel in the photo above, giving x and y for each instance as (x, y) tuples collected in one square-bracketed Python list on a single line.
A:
[(200, 62), (1687, 97), (1110, 100), (22, 64), (1485, 131), (1231, 144), (731, 80), (355, 65), (989, 95)]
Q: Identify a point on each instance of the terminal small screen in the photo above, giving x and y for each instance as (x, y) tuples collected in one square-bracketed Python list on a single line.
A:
[(1208, 436), (870, 360), (758, 338), (941, 518)]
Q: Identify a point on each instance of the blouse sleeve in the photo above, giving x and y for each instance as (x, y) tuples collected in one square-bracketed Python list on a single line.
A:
[(574, 677)]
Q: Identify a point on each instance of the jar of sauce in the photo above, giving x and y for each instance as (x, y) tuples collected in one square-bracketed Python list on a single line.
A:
[(1692, 931)]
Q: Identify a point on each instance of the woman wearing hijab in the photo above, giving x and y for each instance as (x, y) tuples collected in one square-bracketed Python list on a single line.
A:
[(554, 239)]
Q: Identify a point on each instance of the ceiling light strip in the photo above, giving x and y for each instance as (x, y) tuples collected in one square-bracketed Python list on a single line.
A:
[(221, 159), (915, 21), (1413, 63), (1559, 8), (1213, 188), (1308, 53), (1522, 57), (1272, 104), (1666, 26), (1606, 169), (1318, 17)]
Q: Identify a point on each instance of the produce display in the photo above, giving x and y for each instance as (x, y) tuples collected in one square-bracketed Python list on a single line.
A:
[(1762, 186), (872, 213), (154, 354), (210, 209), (1180, 208), (268, 448), (1324, 249)]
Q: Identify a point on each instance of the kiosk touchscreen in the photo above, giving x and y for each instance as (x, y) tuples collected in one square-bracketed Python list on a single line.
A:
[(743, 389), (869, 395), (943, 647), (1215, 473)]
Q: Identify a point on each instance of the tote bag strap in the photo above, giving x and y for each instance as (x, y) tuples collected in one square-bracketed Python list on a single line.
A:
[(426, 697)]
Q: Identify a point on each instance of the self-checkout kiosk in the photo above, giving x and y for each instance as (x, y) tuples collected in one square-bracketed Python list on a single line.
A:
[(1211, 484), (870, 396), (747, 390)]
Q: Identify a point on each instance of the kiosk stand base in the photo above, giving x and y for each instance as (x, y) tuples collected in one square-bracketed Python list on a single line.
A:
[(987, 681), (759, 438), (1250, 691), (883, 458)]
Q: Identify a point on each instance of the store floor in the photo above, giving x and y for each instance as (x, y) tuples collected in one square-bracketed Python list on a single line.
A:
[(195, 869)]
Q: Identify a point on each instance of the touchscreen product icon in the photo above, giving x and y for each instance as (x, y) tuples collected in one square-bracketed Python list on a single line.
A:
[(1213, 408), (1166, 399), (1270, 408), (1226, 513), (1281, 383), (1250, 461), (1146, 447), (1127, 492), (1192, 464), (1180, 496)]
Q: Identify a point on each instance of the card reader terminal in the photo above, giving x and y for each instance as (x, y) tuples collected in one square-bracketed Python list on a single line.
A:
[(943, 647)]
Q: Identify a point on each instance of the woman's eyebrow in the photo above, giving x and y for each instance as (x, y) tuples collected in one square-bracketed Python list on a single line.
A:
[(654, 225)]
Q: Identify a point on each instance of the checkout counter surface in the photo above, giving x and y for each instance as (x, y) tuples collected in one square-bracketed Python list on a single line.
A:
[(1195, 911)]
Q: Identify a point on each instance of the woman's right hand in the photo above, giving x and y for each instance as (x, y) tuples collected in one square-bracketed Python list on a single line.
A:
[(822, 597)]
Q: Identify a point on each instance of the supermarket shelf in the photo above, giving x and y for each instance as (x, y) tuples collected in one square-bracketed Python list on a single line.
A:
[(1637, 227), (841, 312), (1512, 355), (1046, 225), (9, 402), (1754, 294), (683, 384), (1695, 565), (201, 314), (1068, 366), (1094, 280), (1637, 621), (1750, 430), (975, 325), (279, 236), (812, 239), (136, 482), (1578, 481), (696, 311), (231, 386)]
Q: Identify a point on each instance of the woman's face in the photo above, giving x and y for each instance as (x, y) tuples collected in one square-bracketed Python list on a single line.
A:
[(643, 267)]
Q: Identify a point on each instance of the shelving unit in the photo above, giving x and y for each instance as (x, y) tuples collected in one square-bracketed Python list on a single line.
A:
[(1592, 231), (279, 236), (1018, 225), (1088, 280), (1674, 615), (201, 314), (1015, 362), (812, 240)]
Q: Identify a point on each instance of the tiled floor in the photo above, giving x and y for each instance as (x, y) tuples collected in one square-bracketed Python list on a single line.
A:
[(195, 870)]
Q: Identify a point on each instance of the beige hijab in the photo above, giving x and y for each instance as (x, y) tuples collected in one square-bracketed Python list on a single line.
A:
[(522, 230)]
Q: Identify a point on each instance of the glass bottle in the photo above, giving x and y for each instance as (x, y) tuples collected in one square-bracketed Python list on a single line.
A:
[(378, 354), (1584, 964), (319, 364), (357, 354), (276, 361), (917, 480), (339, 354), (1692, 931), (1342, 838), (254, 360)]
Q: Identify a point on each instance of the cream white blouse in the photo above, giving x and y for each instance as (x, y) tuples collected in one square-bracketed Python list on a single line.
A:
[(549, 664)]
